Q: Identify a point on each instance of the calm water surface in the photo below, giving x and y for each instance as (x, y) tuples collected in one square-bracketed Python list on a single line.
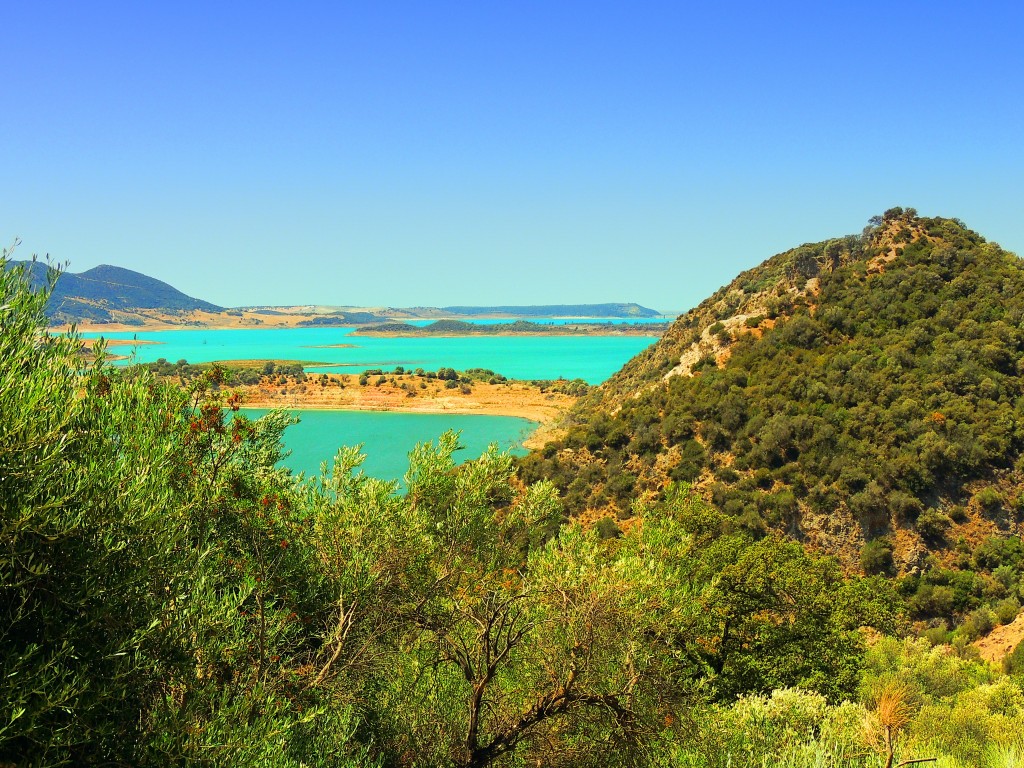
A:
[(387, 438), (592, 358)]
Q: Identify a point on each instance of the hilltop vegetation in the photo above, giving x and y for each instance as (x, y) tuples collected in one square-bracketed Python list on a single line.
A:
[(860, 394)]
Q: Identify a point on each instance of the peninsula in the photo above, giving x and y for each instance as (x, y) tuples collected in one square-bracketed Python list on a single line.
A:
[(285, 384)]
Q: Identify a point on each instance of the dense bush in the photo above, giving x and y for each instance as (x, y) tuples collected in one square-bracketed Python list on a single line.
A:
[(924, 702)]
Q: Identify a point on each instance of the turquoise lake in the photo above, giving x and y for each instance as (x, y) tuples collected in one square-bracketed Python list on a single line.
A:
[(388, 437), (591, 358)]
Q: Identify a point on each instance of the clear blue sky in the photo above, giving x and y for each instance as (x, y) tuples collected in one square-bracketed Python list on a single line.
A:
[(437, 153)]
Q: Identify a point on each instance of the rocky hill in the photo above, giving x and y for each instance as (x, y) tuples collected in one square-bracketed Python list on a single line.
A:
[(106, 293), (861, 394)]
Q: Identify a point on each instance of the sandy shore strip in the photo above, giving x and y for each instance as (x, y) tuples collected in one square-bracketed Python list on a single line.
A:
[(86, 348), (120, 342)]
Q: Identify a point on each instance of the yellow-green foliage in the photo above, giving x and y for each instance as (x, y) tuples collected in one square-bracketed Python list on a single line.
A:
[(966, 725), (787, 727), (936, 703), (963, 708)]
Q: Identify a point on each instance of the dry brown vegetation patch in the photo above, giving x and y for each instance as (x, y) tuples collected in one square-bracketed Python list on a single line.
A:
[(1001, 641)]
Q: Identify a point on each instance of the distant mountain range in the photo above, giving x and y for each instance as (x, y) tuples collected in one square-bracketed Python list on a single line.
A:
[(108, 294), (558, 310), (93, 295), (515, 328), (362, 316)]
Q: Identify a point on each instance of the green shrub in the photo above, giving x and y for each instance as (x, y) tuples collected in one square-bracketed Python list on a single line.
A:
[(1013, 663), (607, 529), (938, 634), (727, 474), (1006, 610), (933, 525), (988, 498), (998, 551), (979, 623), (876, 556), (932, 600)]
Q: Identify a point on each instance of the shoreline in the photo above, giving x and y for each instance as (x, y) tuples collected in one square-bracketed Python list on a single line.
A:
[(403, 394), (526, 414), (256, 322), (507, 334), (540, 413), (636, 329)]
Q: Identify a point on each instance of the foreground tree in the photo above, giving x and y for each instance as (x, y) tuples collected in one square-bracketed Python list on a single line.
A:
[(88, 563), (522, 645), (148, 591), (168, 595)]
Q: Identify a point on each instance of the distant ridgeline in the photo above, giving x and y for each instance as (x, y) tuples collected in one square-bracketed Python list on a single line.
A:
[(107, 294), (558, 310), (96, 294), (388, 324), (862, 394), (463, 328)]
